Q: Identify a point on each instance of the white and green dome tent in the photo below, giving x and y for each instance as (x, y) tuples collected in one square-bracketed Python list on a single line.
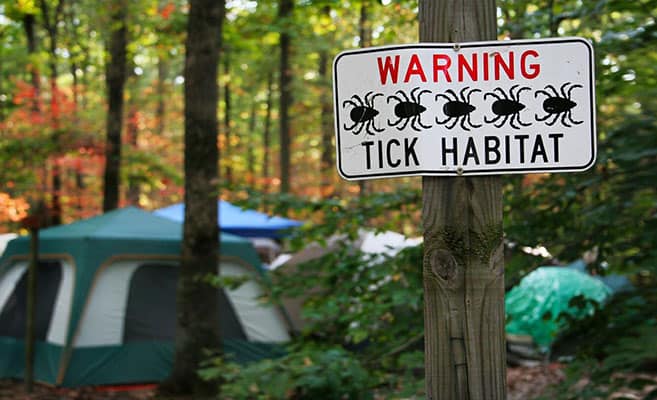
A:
[(105, 310)]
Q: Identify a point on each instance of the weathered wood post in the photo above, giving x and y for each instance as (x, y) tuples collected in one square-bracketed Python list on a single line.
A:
[(463, 255)]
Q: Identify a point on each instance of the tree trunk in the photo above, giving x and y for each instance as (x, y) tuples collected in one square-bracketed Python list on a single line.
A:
[(132, 133), (267, 133), (162, 71), (250, 151), (227, 117), (51, 27), (198, 322), (284, 16), (115, 76), (28, 26), (465, 356), (327, 168)]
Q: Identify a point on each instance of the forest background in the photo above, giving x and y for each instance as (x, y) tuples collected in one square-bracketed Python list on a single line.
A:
[(277, 153)]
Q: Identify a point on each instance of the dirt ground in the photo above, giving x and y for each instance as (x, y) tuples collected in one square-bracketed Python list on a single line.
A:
[(524, 384)]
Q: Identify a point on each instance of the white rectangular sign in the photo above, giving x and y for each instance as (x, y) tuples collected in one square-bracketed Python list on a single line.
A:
[(477, 108)]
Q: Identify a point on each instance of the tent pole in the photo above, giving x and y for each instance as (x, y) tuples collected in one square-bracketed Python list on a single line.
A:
[(31, 303)]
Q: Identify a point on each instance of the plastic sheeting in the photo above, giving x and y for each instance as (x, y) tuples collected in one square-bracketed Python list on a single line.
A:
[(238, 221), (533, 307)]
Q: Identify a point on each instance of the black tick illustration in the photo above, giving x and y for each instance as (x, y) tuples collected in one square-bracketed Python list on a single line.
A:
[(362, 114), (506, 107), (557, 106), (458, 108), (408, 110)]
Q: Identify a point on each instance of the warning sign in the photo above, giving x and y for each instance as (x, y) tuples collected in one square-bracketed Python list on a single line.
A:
[(471, 109)]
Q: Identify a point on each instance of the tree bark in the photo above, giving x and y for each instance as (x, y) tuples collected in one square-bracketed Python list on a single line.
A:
[(465, 356), (28, 26), (162, 72), (326, 119), (51, 27), (132, 133), (227, 118), (250, 150), (284, 15), (115, 76), (267, 133), (198, 322)]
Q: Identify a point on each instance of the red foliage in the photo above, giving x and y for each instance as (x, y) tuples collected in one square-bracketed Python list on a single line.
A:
[(167, 10)]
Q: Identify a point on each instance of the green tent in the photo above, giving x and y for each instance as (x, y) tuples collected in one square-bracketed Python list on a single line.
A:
[(534, 306), (105, 310)]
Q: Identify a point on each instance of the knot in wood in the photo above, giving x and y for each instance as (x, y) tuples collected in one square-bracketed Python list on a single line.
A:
[(443, 264)]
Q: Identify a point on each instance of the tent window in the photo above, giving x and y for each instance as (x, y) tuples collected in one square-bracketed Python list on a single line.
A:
[(150, 312), (13, 315)]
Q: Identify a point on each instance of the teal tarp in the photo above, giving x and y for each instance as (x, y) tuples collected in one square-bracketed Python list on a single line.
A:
[(534, 306)]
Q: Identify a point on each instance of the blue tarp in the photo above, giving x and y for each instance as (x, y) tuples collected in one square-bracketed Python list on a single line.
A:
[(238, 221)]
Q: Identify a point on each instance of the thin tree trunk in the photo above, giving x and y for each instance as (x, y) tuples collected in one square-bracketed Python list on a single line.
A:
[(115, 76), (227, 119), (284, 15), (465, 355), (326, 118), (250, 156), (132, 133), (162, 72), (31, 307), (198, 320), (51, 26), (267, 133), (28, 26)]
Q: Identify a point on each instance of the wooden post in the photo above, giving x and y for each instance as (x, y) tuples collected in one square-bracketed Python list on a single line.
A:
[(465, 355)]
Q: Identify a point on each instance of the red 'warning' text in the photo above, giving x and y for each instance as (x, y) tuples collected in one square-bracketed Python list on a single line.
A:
[(445, 68)]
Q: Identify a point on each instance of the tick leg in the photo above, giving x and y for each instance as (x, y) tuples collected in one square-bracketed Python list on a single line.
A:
[(416, 97), (393, 97), (463, 121), (562, 89), (451, 92), (541, 92), (349, 102), (394, 123), (564, 119), (493, 119), (471, 124), (493, 95), (443, 122), (453, 123), (375, 128), (570, 118), (543, 118), (402, 94), (419, 122), (443, 96), (517, 98), (359, 128), (517, 115), (502, 92), (571, 90), (554, 91), (406, 120), (367, 99), (470, 94), (503, 122), (553, 121)]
